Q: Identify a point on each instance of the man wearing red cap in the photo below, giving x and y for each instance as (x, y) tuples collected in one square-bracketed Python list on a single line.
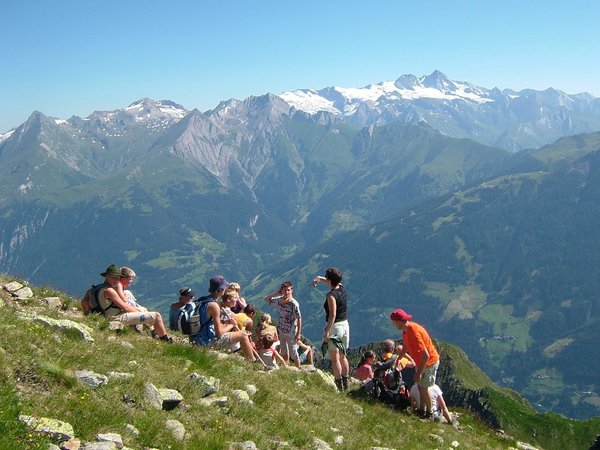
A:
[(417, 344)]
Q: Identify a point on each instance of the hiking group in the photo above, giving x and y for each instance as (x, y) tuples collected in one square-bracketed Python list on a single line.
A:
[(405, 374), (223, 320)]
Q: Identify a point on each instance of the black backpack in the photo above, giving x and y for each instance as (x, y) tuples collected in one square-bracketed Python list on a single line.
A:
[(89, 301)]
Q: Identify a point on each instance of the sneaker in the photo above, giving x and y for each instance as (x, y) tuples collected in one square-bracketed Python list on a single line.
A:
[(166, 338)]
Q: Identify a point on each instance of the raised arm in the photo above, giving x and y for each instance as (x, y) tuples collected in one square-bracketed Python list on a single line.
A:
[(269, 297), (318, 278)]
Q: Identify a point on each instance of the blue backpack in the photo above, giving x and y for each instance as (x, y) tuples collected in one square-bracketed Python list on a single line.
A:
[(188, 320)]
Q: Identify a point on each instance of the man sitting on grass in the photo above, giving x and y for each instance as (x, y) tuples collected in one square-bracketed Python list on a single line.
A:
[(120, 310)]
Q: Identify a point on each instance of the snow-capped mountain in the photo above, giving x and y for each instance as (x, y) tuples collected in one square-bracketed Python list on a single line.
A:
[(506, 119), (148, 109), (146, 112), (407, 87)]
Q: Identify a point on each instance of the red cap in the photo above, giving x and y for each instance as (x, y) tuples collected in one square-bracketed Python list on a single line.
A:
[(400, 315)]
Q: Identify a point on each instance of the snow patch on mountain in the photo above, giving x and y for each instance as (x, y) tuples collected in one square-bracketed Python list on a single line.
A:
[(309, 101), (147, 108), (407, 87), (5, 136)]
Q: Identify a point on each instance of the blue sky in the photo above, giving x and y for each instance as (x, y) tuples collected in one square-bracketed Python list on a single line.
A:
[(68, 58)]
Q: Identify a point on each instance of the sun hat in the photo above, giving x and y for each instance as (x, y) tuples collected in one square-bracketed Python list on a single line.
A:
[(112, 271), (217, 283)]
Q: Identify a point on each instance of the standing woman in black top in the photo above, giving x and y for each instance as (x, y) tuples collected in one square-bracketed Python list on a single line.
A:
[(337, 330)]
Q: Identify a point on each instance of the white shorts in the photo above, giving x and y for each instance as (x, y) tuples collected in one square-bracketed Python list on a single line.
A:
[(342, 331)]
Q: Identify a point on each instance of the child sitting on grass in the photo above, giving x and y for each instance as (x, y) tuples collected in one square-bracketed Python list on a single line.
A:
[(267, 340), (364, 370)]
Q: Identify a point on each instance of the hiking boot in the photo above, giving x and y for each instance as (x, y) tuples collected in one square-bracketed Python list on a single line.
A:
[(426, 416), (344, 383), (339, 385), (422, 414)]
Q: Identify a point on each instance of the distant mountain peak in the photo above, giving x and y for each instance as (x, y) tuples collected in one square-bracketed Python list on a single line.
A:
[(36, 121), (439, 81), (149, 108)]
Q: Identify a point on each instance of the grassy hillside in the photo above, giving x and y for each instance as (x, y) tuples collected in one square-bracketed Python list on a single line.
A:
[(290, 408)]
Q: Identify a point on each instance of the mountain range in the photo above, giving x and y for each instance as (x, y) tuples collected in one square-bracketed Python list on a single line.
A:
[(420, 190), (505, 119)]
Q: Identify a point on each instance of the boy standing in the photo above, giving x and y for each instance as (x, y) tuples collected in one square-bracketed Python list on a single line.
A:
[(289, 326), (418, 344)]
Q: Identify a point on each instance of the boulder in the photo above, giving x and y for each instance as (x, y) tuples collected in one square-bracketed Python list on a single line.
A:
[(206, 385), (52, 302), (56, 430), (110, 437), (162, 398), (176, 428), (23, 293), (91, 379), (13, 286)]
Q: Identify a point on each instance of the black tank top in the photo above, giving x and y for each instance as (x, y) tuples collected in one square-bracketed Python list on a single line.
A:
[(339, 295)]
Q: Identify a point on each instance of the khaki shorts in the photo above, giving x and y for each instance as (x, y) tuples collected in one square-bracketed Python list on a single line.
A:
[(222, 342), (137, 318), (428, 375)]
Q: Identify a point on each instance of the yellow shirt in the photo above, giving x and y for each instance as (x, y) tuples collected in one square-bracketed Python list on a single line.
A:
[(386, 356), (242, 318)]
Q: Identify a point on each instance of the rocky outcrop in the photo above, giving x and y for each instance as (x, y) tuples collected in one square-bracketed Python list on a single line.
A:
[(59, 324)]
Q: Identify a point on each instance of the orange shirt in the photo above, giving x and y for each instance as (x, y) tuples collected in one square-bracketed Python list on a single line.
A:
[(416, 339)]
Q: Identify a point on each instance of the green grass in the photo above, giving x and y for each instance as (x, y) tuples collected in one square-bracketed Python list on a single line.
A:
[(38, 378)]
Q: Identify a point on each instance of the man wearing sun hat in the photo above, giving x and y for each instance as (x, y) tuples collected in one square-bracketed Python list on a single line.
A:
[(418, 344)]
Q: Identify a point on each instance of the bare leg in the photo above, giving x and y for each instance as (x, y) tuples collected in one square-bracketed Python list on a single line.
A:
[(309, 356), (425, 398), (242, 338), (336, 366), (344, 366), (159, 326)]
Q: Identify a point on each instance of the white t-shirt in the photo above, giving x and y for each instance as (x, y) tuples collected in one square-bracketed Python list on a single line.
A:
[(131, 300), (434, 393)]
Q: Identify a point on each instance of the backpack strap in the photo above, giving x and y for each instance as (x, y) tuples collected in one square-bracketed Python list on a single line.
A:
[(202, 301), (111, 304)]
